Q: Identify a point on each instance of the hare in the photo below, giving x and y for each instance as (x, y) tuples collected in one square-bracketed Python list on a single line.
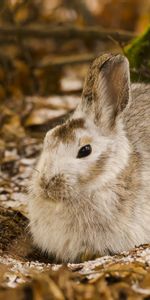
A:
[(91, 194)]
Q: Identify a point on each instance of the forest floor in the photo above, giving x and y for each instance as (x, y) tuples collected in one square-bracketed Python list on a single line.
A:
[(25, 273), (45, 51)]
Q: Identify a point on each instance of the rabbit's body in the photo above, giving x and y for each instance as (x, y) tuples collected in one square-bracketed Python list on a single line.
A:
[(98, 204)]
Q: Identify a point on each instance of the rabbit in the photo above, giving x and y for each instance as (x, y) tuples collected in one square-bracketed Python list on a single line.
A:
[(90, 195)]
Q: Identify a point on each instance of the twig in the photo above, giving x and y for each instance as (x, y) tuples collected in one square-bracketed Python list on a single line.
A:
[(66, 32), (66, 60)]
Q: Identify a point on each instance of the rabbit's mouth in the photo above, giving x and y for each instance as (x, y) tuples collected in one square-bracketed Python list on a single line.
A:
[(58, 195), (56, 189)]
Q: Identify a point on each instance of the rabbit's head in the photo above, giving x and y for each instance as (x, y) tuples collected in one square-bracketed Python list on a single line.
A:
[(91, 148)]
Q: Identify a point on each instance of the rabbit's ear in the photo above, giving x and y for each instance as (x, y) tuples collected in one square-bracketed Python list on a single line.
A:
[(107, 89)]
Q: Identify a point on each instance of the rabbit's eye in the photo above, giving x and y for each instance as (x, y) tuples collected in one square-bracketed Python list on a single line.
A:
[(84, 151)]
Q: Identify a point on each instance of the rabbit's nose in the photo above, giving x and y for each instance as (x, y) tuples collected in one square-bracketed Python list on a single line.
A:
[(56, 180)]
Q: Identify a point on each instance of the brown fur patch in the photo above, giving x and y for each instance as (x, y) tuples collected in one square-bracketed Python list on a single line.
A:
[(85, 140), (130, 179), (92, 76), (65, 132), (96, 168), (128, 185), (106, 90)]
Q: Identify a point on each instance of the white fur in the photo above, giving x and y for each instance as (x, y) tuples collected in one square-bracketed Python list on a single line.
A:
[(60, 229), (89, 219)]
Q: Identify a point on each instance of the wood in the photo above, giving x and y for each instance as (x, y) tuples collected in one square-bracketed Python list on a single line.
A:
[(61, 61), (66, 32)]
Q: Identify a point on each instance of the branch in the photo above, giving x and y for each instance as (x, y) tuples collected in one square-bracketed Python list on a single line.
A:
[(66, 60), (67, 32)]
